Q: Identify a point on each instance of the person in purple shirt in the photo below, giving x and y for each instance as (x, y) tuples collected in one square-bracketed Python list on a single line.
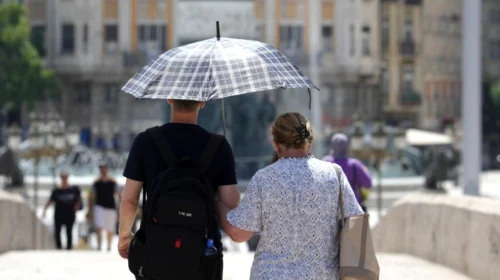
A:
[(357, 174)]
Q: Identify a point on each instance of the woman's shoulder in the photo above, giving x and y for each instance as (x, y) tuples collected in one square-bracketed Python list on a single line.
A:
[(319, 163)]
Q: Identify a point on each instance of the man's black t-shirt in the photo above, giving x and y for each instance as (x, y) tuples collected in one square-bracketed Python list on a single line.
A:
[(65, 200), (145, 161), (105, 193)]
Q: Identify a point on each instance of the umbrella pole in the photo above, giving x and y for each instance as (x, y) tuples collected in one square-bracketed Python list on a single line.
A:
[(223, 117)]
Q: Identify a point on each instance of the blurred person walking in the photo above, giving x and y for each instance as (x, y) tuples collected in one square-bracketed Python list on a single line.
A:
[(357, 173), (67, 200), (104, 194), (294, 203)]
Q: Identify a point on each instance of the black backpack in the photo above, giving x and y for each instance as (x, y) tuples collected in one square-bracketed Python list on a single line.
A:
[(177, 217)]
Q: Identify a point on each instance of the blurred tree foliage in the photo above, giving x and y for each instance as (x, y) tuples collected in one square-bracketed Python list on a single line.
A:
[(491, 111), (23, 77)]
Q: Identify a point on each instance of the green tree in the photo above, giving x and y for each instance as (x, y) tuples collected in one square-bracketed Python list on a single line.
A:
[(23, 77)]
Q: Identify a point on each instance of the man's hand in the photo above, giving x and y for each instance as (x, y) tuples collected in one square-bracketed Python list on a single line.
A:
[(124, 244), (128, 212)]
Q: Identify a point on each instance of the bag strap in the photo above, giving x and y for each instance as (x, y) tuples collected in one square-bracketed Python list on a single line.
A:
[(161, 143), (341, 197), (209, 152)]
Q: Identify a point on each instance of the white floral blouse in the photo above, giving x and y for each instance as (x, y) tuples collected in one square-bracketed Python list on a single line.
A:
[(293, 204)]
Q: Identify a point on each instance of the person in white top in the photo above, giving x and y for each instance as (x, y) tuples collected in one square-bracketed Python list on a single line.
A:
[(293, 204)]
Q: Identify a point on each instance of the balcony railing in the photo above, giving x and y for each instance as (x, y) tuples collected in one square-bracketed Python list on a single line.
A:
[(407, 48), (410, 97)]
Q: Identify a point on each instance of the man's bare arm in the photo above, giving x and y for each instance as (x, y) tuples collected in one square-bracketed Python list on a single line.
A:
[(236, 234), (128, 206), (228, 198)]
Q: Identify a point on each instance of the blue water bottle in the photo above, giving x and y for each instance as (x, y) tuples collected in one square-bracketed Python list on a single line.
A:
[(210, 249)]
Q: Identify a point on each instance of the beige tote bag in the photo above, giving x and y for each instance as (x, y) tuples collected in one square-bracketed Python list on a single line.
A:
[(357, 254)]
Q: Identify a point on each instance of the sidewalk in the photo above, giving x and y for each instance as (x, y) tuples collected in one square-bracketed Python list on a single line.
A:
[(83, 265)]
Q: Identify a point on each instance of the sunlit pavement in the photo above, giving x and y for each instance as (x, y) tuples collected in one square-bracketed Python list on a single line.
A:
[(84, 265), (90, 264)]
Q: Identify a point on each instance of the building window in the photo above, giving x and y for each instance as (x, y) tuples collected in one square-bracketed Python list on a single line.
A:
[(38, 39), (327, 36), (408, 76), (291, 38), (352, 40), (152, 38), (83, 93), (495, 16), (385, 85), (68, 38), (366, 40), (408, 30), (85, 38), (495, 50), (385, 30), (111, 38), (111, 92)]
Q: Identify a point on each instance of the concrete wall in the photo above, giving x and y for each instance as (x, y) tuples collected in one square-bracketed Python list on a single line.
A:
[(460, 232), (18, 226)]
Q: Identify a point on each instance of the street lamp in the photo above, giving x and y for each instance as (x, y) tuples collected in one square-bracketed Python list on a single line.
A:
[(379, 137), (357, 136), (399, 139), (376, 151), (73, 136), (14, 137)]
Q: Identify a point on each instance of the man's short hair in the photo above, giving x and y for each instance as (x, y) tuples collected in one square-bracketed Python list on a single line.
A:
[(185, 105)]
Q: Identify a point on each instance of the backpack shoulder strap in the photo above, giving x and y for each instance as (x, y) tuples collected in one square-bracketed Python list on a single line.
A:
[(210, 150), (341, 197), (161, 143)]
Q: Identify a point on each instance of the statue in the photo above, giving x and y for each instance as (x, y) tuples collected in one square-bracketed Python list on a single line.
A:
[(10, 168), (438, 163)]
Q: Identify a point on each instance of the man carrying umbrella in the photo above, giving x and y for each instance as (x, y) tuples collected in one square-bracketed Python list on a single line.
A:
[(181, 167)]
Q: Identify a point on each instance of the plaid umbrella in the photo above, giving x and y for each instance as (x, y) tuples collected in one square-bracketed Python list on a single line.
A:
[(216, 68)]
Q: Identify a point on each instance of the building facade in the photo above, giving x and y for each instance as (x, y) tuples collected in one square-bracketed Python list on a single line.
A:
[(95, 46), (401, 40), (491, 40), (442, 52), (342, 36)]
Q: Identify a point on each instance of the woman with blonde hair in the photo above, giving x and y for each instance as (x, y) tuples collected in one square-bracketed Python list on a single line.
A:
[(293, 204)]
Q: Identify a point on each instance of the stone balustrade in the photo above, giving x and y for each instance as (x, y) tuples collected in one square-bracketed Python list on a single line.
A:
[(460, 232), (20, 229)]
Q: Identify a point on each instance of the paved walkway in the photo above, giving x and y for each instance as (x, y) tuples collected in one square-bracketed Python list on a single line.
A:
[(80, 265)]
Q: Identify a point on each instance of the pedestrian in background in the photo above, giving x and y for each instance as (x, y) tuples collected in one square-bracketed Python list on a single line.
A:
[(358, 175), (67, 200), (104, 194)]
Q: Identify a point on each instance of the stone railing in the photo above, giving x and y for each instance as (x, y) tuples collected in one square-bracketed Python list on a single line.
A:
[(20, 229), (460, 232)]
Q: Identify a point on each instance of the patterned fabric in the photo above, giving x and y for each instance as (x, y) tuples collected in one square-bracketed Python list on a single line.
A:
[(293, 204), (214, 69)]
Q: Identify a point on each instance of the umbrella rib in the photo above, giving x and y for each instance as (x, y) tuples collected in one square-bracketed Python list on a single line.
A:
[(211, 71)]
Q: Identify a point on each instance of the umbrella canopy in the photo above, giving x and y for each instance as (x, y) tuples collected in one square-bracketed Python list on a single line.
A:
[(216, 68)]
